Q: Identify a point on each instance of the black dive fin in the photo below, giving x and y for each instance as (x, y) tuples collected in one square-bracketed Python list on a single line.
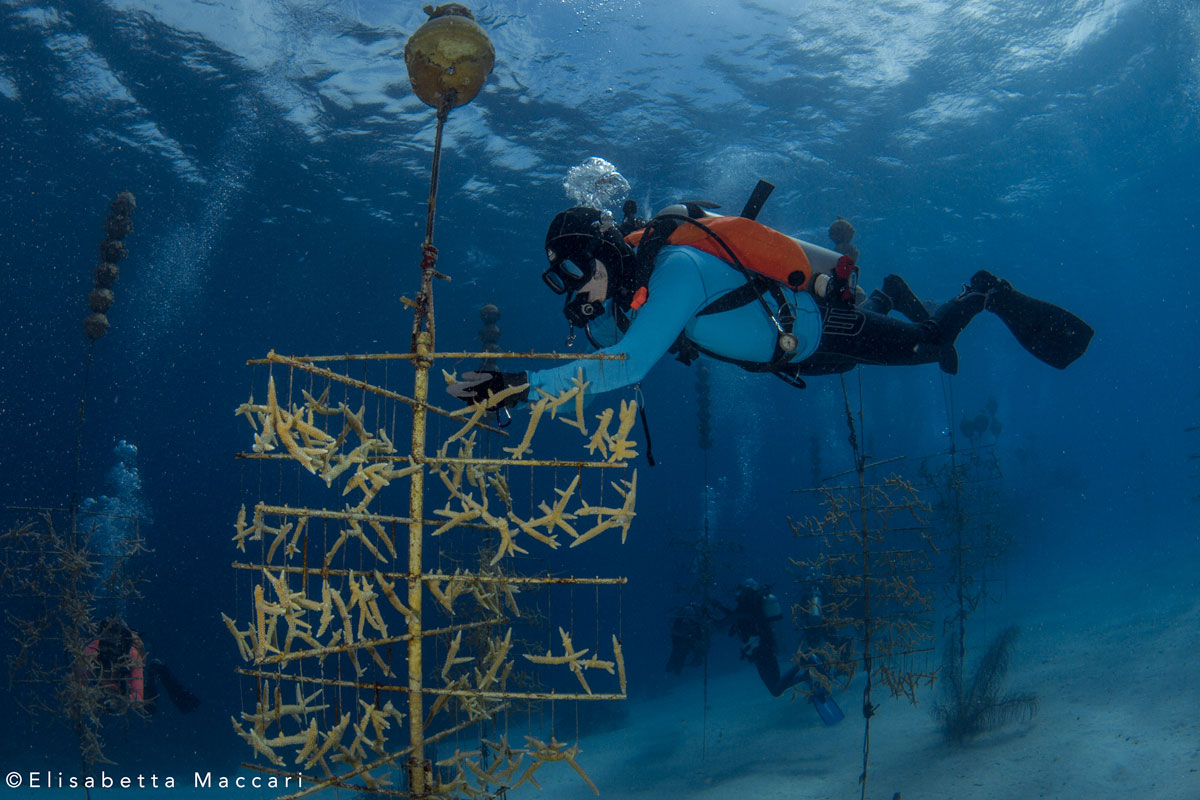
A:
[(180, 696), (827, 709), (1052, 334), (948, 359), (903, 299), (757, 199)]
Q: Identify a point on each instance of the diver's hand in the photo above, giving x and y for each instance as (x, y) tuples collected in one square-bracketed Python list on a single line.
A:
[(473, 387), (750, 648)]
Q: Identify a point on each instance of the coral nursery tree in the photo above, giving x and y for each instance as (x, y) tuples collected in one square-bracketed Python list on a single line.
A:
[(869, 548), (972, 541)]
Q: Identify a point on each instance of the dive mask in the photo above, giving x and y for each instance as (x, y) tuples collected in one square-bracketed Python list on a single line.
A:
[(565, 274)]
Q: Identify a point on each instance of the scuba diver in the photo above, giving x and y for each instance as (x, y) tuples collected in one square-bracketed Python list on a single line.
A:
[(752, 619), (693, 283), (116, 660), (689, 637)]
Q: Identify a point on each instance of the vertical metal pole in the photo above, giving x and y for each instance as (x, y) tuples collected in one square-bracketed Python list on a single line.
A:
[(416, 500), (419, 772)]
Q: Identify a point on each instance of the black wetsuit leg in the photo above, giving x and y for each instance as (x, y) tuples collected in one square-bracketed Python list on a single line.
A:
[(768, 669), (852, 336)]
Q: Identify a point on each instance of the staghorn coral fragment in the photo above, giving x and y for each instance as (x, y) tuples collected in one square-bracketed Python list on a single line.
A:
[(493, 400), (281, 534), (264, 716), (600, 439), (510, 599), (456, 518), (309, 432), (326, 607), (391, 711), (596, 530), (543, 753), (553, 402), (310, 741), (451, 660), (243, 531), (358, 533), (510, 758), (556, 517), (595, 662), (347, 626), (616, 517), (389, 591), (379, 662), (289, 601), (527, 527), (363, 596), (378, 720), (442, 699), (499, 483), (320, 405), (383, 536), (241, 637), (257, 742), (285, 740), (508, 545), (454, 587), (479, 410), (353, 531), (332, 737), (630, 494), (621, 447), (535, 416), (355, 421), (578, 391), (283, 427), (261, 626), (573, 659), (620, 659), (249, 410), (497, 656)]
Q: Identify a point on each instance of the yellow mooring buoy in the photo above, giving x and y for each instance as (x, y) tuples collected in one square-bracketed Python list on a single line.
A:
[(449, 57)]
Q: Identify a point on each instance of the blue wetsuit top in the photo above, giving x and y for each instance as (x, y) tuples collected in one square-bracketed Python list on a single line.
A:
[(685, 280)]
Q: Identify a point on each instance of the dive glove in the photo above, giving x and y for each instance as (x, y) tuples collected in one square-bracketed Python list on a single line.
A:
[(473, 387)]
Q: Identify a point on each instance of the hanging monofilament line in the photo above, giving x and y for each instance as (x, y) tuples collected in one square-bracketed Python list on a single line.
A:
[(956, 488), (704, 426), (868, 708), (73, 505), (74, 516), (704, 600)]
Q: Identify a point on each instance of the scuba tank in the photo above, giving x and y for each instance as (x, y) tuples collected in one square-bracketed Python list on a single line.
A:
[(771, 609)]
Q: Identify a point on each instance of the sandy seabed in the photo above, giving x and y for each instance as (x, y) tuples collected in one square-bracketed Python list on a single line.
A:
[(1119, 717), (1115, 665)]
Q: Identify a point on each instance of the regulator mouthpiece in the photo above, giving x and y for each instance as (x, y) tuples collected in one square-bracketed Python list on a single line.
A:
[(449, 57)]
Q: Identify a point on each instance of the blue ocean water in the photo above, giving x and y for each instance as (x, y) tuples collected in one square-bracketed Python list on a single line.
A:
[(281, 168)]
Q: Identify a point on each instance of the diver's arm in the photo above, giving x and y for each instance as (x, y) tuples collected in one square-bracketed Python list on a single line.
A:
[(676, 293)]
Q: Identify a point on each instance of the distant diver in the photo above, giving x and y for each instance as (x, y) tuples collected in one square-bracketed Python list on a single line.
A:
[(117, 664), (692, 283), (752, 620), (689, 629)]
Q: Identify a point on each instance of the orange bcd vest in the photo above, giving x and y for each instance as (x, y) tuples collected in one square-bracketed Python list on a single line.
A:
[(760, 249), (136, 689)]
